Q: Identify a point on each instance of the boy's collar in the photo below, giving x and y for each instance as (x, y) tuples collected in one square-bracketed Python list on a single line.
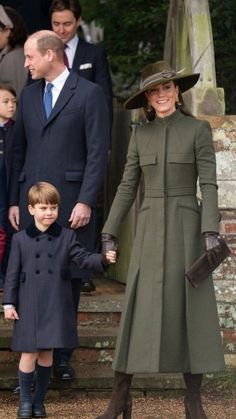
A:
[(54, 230)]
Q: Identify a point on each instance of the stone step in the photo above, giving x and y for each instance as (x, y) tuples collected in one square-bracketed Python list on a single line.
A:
[(97, 377), (97, 346)]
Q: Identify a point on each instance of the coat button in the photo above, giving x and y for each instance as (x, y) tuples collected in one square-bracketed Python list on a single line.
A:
[(49, 255), (37, 239), (37, 255), (49, 239), (50, 271), (37, 271)]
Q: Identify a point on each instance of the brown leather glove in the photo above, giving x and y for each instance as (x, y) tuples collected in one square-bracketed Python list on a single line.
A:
[(211, 246), (109, 242)]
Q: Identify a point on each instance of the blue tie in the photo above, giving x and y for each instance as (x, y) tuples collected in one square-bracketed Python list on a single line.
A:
[(48, 99)]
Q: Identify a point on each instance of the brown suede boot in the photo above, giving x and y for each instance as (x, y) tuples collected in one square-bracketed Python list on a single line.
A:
[(192, 400), (121, 401)]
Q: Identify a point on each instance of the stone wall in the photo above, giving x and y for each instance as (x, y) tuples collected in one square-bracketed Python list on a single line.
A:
[(224, 136)]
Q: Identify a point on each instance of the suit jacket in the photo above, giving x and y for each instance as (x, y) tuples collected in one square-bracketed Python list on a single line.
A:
[(69, 149), (90, 62)]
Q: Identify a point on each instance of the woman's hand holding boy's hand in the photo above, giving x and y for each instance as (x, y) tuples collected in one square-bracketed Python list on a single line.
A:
[(110, 250), (11, 314)]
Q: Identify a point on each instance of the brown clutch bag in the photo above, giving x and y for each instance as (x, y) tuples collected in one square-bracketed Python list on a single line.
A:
[(201, 269)]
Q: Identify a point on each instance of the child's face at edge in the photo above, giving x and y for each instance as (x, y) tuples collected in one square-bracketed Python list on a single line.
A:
[(44, 215), (7, 105)]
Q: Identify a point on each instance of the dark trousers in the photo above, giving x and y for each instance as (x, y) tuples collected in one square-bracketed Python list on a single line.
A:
[(64, 354)]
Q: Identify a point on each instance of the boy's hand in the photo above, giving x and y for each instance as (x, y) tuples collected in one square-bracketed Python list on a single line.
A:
[(11, 314), (109, 257)]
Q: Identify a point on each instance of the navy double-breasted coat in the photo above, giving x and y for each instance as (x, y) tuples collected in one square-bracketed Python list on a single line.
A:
[(38, 284)]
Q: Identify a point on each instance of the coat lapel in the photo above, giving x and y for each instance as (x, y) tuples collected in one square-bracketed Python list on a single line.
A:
[(37, 99), (65, 95)]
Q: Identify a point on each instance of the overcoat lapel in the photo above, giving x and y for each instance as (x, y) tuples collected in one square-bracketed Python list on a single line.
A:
[(37, 99), (65, 95)]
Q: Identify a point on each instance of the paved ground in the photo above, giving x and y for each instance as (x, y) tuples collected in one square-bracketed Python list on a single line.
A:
[(72, 405)]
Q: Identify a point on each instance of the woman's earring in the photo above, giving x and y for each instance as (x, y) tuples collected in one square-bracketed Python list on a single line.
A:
[(149, 107), (178, 102)]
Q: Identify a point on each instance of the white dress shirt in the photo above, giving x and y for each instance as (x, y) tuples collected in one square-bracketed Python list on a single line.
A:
[(70, 49), (58, 84)]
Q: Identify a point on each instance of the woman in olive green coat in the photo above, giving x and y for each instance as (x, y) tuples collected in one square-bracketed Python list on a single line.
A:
[(167, 325)]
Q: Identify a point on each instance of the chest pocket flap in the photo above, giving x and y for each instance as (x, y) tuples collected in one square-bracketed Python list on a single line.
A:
[(147, 159), (180, 158)]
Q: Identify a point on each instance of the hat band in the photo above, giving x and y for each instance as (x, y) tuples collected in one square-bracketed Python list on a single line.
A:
[(158, 76), (165, 74)]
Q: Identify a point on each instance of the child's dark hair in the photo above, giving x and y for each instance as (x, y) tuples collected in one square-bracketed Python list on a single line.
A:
[(8, 88), (43, 193)]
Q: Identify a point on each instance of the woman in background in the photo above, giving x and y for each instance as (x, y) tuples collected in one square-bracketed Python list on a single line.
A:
[(12, 38)]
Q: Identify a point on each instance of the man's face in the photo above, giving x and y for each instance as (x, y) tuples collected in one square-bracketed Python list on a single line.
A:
[(65, 25), (35, 62)]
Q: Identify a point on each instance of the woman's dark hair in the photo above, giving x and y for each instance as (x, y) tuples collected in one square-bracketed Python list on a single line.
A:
[(18, 34), (61, 5), (8, 88)]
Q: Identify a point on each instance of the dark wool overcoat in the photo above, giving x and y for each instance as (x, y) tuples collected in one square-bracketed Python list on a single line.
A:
[(69, 149), (38, 284), (168, 326)]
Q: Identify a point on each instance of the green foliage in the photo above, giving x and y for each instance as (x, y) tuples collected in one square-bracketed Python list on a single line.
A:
[(223, 15), (134, 34)]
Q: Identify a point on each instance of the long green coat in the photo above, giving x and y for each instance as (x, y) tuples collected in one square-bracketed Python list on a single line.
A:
[(166, 325)]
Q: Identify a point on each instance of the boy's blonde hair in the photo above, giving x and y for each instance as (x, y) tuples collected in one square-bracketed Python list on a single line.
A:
[(43, 193)]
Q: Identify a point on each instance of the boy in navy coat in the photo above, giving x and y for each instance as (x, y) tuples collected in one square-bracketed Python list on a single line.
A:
[(38, 293)]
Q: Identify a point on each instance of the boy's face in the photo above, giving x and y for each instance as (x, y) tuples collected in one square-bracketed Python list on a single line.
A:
[(7, 105), (44, 215)]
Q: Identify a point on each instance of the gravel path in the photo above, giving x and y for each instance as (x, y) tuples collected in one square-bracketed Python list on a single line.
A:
[(72, 405)]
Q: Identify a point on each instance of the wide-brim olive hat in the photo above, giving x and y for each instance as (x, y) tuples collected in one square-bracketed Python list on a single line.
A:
[(157, 73)]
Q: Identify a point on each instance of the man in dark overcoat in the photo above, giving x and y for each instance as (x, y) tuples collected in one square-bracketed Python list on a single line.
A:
[(69, 148)]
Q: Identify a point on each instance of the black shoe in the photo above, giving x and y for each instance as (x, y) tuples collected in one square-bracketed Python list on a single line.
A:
[(25, 410), (38, 411), (64, 371), (88, 286)]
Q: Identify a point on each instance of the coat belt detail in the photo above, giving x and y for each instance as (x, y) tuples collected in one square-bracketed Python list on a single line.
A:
[(161, 193)]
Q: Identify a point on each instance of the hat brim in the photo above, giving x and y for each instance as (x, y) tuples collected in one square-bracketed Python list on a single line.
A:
[(185, 82)]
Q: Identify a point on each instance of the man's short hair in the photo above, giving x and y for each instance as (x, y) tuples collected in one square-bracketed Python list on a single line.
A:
[(43, 193), (45, 40), (61, 5)]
